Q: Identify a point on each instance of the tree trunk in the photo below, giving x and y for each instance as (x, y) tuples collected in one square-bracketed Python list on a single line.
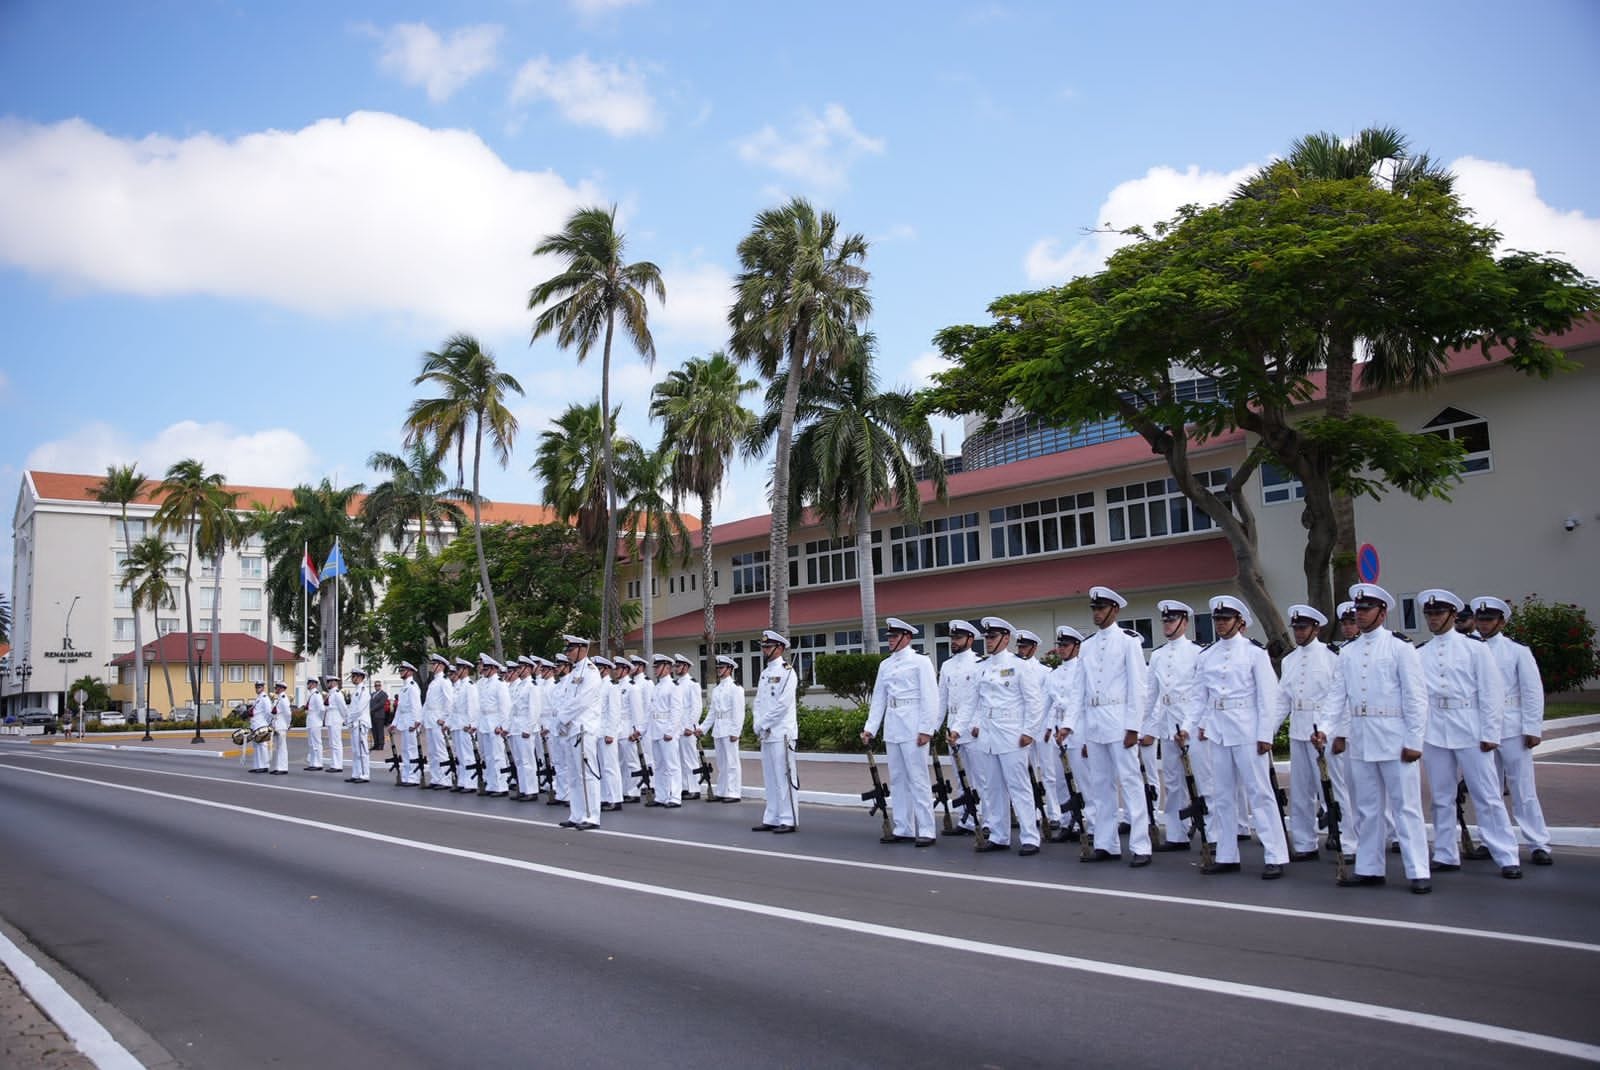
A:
[(188, 622), (216, 632), (166, 665), (138, 633), (869, 584), (269, 648), (647, 598), (708, 634), (608, 596), (477, 542), (327, 611), (778, 566), (1340, 553)]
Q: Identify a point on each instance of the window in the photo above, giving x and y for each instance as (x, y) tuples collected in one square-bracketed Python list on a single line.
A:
[(672, 585), (1042, 527), (1201, 630), (250, 626), (208, 596), (252, 568), (1156, 508), (750, 571), (1146, 628), (277, 674), (235, 674), (208, 566), (122, 629), (716, 577), (804, 653), (1279, 486), (694, 582), (167, 625), (120, 561), (828, 561), (176, 568), (633, 589), (258, 674), (122, 598), (655, 586), (250, 598), (951, 540), (1408, 613), (1471, 431), (136, 529)]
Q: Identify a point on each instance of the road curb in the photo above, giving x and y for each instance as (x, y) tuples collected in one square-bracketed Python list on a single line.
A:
[(82, 1028)]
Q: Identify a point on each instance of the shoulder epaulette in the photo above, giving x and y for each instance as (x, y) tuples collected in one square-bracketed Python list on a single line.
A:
[(983, 657), (1475, 635), (1403, 637), (1204, 646), (1333, 648), (1131, 634)]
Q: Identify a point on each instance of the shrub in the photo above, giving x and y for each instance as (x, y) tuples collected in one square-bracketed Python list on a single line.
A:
[(1561, 637), (837, 731), (850, 676)]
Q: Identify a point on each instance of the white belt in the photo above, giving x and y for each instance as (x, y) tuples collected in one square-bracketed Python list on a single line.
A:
[(1451, 704), (1101, 700), (1232, 703), (1364, 710)]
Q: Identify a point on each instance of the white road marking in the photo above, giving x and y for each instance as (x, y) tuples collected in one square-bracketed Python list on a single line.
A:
[(1297, 914), (82, 1028), (1301, 1002)]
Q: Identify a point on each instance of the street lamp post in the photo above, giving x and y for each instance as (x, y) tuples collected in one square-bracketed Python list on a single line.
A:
[(146, 711), (67, 662), (200, 654)]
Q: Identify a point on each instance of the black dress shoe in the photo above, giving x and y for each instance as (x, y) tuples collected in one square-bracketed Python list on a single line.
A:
[(569, 824), (985, 848), (1541, 857), (763, 827), (1272, 872), (459, 790), (630, 798), (1124, 828), (1479, 853), (685, 796), (258, 770), (331, 769), (1361, 880), (1511, 873), (1394, 848), (280, 772), (1172, 845), (312, 769), (924, 841), (654, 802), (1139, 861), (588, 826), (352, 780), (894, 839), (731, 799), (673, 805), (1243, 836), (1028, 849), (1097, 855), (1421, 886), (782, 829), (1219, 867), (960, 831), (1444, 867), (1304, 856)]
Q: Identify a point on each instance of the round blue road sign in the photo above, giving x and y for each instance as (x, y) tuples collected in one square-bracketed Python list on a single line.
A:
[(1367, 563)]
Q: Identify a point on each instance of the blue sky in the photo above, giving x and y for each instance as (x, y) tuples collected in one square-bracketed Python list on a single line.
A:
[(228, 230)]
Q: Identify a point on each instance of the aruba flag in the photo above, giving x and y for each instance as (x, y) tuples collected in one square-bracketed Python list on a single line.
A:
[(335, 565)]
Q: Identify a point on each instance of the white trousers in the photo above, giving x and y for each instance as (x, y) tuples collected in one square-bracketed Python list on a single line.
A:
[(409, 773), (611, 769), (1046, 760), (522, 753), (969, 763), (466, 777), (669, 778), (583, 803), (1012, 793), (559, 748), (314, 742), (985, 774), (360, 756), (494, 759), (629, 752), (436, 753), (335, 753), (1305, 792), (1516, 763), (261, 755), (1113, 766), (1445, 766), (1174, 791), (777, 780), (280, 748), (1378, 788), (688, 759), (911, 788), (1235, 767), (730, 777)]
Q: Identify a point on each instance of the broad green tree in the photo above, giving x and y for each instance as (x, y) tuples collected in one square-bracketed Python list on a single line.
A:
[(471, 404), (413, 491), (193, 504), (702, 413), (547, 577), (147, 573), (581, 306), (649, 509), (858, 448), (99, 694), (313, 520), (571, 464), (800, 294), (1243, 292), (121, 487)]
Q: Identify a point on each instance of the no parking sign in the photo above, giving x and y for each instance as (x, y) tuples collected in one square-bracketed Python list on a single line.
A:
[(1367, 563)]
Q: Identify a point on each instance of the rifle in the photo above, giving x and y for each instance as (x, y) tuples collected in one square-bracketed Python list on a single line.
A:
[(1330, 806), (513, 785), (879, 795), (1072, 825), (1468, 848), (968, 799), (1157, 835), (1038, 799), (477, 765), (1196, 810), (421, 760), (643, 774), (395, 761), (941, 788), (704, 771), (544, 770), (450, 762), (1279, 794)]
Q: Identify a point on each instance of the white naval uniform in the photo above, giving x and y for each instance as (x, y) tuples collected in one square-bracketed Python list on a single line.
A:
[(1060, 692), (436, 709), (663, 736), (1009, 704), (686, 693), (635, 719), (1109, 704), (466, 711), (358, 719), (957, 677), (905, 704), (1523, 715), (282, 717), (407, 719), (260, 717), (1238, 699), (725, 721), (1310, 693), (613, 721), (1171, 704), (1466, 697), (494, 711), (314, 708), (777, 728), (578, 732), (1385, 709), (525, 709), (1042, 753), (335, 716)]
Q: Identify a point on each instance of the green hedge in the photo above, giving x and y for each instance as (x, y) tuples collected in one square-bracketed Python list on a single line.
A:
[(826, 730)]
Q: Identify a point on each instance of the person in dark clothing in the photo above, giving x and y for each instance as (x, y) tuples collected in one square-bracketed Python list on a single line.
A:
[(380, 714)]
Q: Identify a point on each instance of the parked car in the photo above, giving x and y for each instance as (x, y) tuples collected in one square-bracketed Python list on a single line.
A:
[(39, 717), (113, 720)]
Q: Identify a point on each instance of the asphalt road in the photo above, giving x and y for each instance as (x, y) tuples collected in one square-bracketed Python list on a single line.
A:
[(243, 920)]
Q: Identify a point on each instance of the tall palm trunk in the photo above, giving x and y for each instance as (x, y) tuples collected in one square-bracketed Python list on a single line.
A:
[(778, 566), (216, 632), (608, 597), (477, 542), (647, 598), (188, 620), (709, 632), (166, 665), (869, 583), (138, 634)]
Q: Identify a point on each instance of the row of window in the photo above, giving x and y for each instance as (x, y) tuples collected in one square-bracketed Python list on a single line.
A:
[(251, 566), (122, 627), (234, 674)]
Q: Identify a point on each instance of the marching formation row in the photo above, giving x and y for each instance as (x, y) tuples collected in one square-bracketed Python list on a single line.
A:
[(1177, 754)]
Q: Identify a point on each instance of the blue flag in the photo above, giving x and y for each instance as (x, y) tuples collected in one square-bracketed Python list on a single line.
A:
[(335, 565)]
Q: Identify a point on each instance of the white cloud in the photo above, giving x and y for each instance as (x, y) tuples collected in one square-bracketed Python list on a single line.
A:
[(1507, 199), (1137, 202), (819, 150), (369, 213), (696, 311), (595, 8), (417, 55), (274, 457), (612, 97)]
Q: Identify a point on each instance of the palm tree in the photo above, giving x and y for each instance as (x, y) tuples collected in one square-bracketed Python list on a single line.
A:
[(472, 402), (121, 486), (315, 518), (702, 414), (191, 499), (144, 572), (5, 619), (1382, 156), (649, 509), (851, 456), (228, 529), (414, 491), (797, 300), (589, 294), (570, 462)]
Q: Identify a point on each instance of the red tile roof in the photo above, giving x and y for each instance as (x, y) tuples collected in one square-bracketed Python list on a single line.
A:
[(957, 591), (237, 649)]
